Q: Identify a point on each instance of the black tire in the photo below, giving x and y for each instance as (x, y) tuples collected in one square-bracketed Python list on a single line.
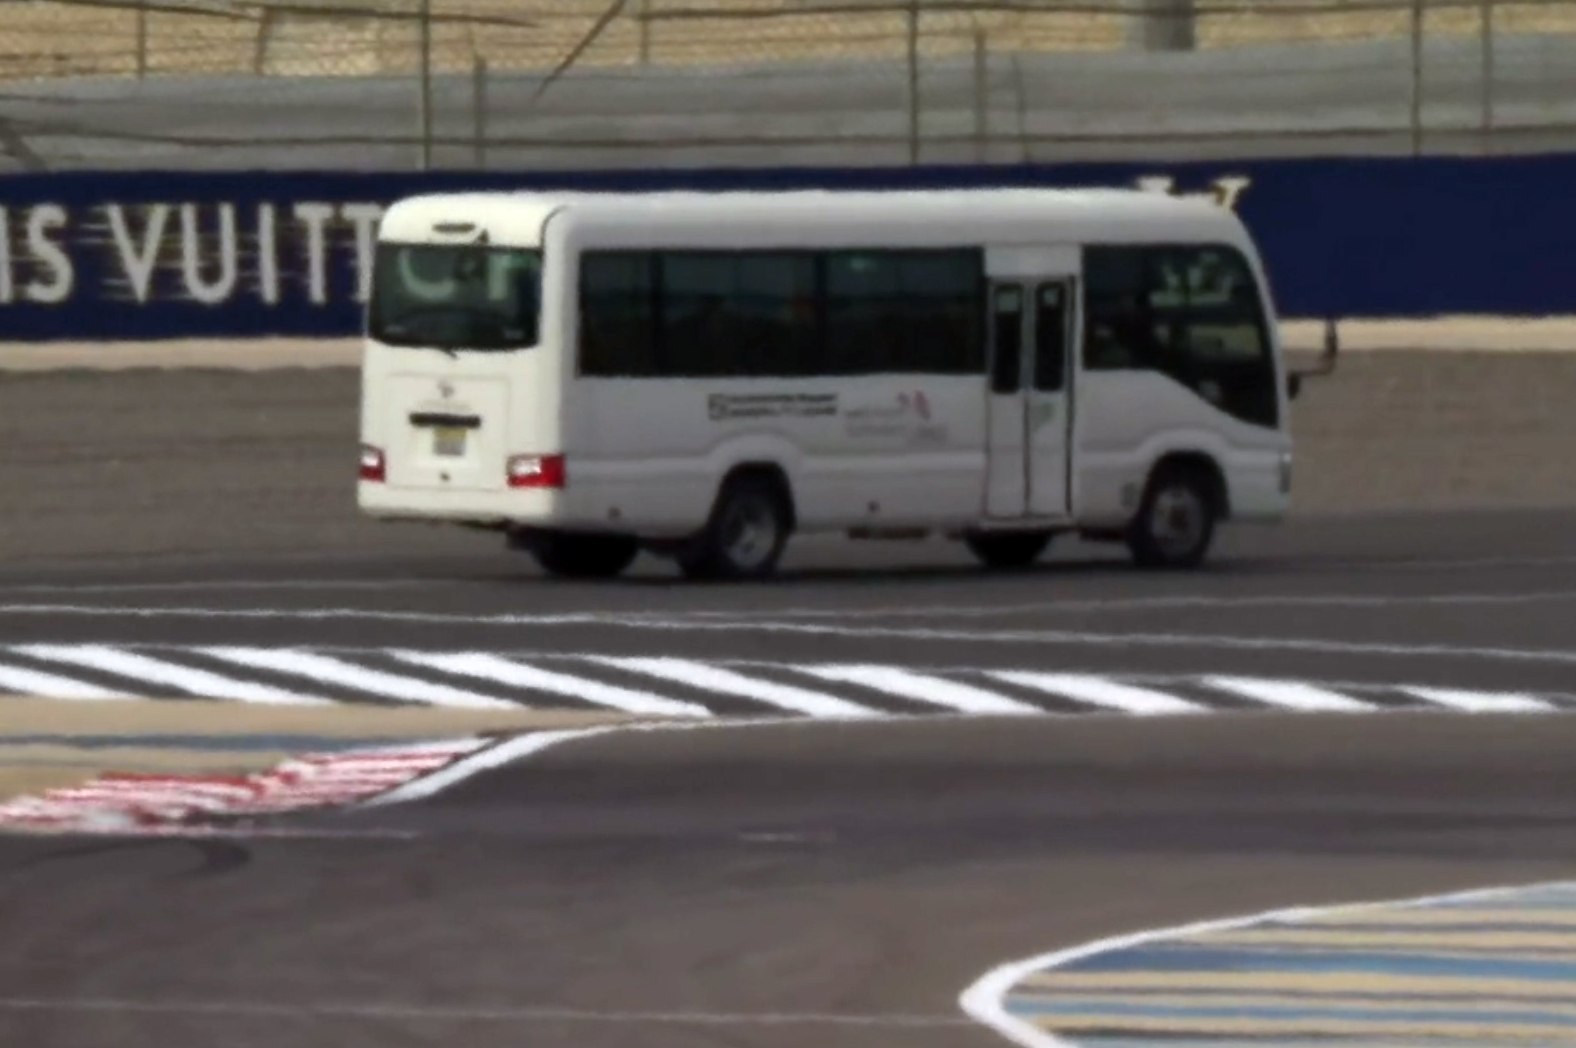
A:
[(1175, 523), (745, 536), (584, 556), (1007, 549)]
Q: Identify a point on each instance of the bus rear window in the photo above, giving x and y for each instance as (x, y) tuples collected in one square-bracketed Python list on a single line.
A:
[(455, 296)]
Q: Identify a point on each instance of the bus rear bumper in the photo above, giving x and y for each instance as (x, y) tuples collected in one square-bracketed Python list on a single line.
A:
[(486, 509)]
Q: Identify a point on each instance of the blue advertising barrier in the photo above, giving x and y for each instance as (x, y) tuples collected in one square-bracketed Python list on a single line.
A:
[(144, 255)]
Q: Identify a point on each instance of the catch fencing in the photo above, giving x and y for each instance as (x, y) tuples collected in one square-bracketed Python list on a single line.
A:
[(593, 84)]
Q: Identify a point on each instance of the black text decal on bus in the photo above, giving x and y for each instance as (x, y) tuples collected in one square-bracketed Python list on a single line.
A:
[(723, 407)]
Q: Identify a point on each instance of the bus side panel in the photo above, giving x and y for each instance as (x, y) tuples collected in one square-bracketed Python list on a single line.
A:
[(1127, 420), (903, 451), (863, 451)]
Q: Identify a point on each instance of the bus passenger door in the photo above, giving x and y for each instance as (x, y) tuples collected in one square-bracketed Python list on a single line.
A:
[(1007, 422), (1031, 330), (1048, 341)]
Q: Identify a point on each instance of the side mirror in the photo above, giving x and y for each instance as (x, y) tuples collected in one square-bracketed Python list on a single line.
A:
[(1326, 364)]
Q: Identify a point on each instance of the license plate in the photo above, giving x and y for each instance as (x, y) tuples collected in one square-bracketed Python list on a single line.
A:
[(448, 442)]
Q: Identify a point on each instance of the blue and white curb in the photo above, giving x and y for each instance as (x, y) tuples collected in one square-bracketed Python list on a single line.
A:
[(1496, 966)]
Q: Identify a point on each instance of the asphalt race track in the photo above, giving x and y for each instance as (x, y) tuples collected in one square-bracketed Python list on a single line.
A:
[(848, 879), (828, 884), (1476, 601), (823, 880)]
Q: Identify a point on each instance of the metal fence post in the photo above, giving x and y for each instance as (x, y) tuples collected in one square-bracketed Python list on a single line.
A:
[(479, 109), (1417, 77), (913, 81), (981, 96), (424, 106), (1486, 25), (142, 39), (644, 25), (1166, 25)]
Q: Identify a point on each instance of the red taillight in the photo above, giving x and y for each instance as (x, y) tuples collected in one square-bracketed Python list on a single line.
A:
[(372, 466), (537, 471)]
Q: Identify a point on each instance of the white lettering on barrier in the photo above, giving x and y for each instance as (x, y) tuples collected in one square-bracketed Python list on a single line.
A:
[(221, 290), (315, 216), (212, 268), (267, 254), (138, 263), (365, 218), (7, 291), (139, 252), (49, 256), (264, 259)]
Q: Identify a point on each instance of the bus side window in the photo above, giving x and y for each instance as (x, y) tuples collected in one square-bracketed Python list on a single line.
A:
[(1050, 337), (1114, 335), (912, 310), (617, 321), (1006, 339), (1191, 312)]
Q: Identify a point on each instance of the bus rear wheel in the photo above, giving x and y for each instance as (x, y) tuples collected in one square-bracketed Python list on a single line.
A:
[(746, 534), (1007, 549), (583, 556)]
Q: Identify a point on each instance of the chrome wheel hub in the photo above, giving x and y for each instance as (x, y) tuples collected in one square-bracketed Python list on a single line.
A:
[(1177, 520), (749, 534)]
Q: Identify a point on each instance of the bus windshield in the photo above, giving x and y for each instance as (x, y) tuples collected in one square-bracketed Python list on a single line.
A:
[(459, 296)]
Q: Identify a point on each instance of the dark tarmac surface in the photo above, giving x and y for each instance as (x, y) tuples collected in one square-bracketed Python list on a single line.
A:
[(750, 887), (739, 887), (1478, 601), (772, 887)]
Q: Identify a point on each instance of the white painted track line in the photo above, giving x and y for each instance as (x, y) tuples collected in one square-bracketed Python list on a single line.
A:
[(1480, 701), (516, 679), (193, 681), (488, 757), (327, 670), (16, 680), (1098, 691), (919, 687), (518, 675), (727, 682), (1290, 694)]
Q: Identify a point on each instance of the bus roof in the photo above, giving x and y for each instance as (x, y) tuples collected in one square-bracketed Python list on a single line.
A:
[(518, 217)]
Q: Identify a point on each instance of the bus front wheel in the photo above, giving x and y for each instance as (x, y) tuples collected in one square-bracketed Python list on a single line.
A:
[(1175, 522)]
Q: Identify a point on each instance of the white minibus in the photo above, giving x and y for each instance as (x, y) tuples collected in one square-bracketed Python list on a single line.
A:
[(701, 375)]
